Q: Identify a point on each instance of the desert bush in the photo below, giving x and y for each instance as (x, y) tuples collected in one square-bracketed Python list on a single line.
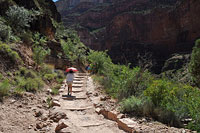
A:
[(40, 51), (5, 30), (29, 84), (27, 37), (20, 17), (4, 89), (4, 48), (100, 62), (50, 77), (131, 105), (45, 69), (39, 54), (179, 100), (135, 83), (1, 76), (55, 89), (194, 65), (27, 73)]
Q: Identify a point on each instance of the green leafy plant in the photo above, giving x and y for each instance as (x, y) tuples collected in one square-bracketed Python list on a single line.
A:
[(73, 48), (178, 99), (39, 54), (5, 30), (4, 48), (20, 17), (4, 89), (131, 105), (194, 65), (100, 62)]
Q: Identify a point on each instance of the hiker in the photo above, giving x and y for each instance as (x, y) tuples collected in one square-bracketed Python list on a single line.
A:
[(70, 78), (88, 68)]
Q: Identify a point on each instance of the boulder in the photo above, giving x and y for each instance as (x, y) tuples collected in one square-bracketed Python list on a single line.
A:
[(57, 116), (55, 103), (61, 125)]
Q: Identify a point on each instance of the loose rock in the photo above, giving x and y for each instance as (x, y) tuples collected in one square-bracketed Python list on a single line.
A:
[(60, 126)]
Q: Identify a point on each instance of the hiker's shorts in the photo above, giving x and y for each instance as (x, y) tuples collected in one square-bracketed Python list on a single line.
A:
[(69, 83)]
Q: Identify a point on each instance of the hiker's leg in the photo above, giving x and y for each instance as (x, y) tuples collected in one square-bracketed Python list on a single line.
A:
[(70, 89)]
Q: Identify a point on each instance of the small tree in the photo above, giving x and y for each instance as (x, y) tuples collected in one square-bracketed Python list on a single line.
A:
[(39, 50), (194, 65), (40, 54)]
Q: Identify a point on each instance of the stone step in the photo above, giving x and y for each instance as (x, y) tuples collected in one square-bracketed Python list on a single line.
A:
[(80, 77), (81, 98), (76, 90), (77, 85), (77, 82)]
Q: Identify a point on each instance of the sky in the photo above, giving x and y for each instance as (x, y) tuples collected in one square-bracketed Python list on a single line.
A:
[(55, 0)]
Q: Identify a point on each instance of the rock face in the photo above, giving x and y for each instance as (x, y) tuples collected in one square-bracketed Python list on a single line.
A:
[(44, 23), (130, 28)]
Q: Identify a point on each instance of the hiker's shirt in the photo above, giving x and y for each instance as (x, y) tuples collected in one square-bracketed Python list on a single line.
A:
[(70, 77)]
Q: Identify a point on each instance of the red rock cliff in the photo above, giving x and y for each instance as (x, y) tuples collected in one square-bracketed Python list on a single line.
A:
[(129, 27)]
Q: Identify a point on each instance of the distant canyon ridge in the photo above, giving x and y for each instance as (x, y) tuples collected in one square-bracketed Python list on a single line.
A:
[(130, 29)]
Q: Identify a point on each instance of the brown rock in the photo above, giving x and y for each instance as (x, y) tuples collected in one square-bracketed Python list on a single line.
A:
[(39, 125), (104, 113), (98, 111), (38, 113), (56, 116), (120, 116), (96, 94), (60, 126), (112, 115), (103, 98), (44, 117), (55, 103), (127, 125)]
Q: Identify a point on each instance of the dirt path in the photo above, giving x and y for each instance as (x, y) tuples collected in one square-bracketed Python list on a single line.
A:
[(81, 111)]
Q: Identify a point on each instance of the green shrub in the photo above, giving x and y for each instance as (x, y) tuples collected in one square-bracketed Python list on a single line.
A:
[(27, 37), (55, 89), (45, 69), (5, 30), (27, 73), (49, 77), (135, 83), (1, 76), (73, 48), (39, 54), (39, 40), (20, 18), (4, 89), (183, 101), (4, 48), (131, 105), (29, 84), (49, 101), (34, 84), (101, 63), (194, 65)]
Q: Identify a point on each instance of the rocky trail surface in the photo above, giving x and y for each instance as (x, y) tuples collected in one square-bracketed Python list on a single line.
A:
[(91, 111)]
